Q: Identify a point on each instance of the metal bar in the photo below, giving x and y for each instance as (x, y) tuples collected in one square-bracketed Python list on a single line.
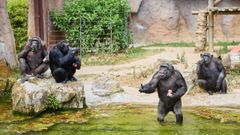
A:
[(210, 26), (80, 46), (111, 31)]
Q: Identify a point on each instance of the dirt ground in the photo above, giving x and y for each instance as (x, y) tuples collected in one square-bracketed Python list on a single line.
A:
[(131, 75)]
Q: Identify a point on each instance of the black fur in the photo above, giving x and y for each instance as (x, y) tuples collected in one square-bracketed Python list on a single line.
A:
[(165, 79), (62, 59), (211, 74)]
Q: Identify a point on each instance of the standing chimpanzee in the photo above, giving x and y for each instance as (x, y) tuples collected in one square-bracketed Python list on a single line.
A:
[(211, 74), (171, 87), (64, 62), (33, 58)]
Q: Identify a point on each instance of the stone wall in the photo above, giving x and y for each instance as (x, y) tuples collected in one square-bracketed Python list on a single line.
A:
[(172, 21)]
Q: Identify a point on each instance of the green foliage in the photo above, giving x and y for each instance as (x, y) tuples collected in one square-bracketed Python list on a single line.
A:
[(100, 25), (129, 55), (18, 13), (52, 103), (173, 44)]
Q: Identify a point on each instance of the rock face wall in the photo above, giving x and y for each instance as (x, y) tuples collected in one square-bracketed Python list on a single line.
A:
[(172, 21)]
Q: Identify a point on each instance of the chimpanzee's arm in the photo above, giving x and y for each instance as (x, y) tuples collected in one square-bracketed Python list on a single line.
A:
[(77, 61), (181, 84), (45, 55), (151, 85), (59, 59), (222, 74), (199, 70), (45, 52), (25, 51)]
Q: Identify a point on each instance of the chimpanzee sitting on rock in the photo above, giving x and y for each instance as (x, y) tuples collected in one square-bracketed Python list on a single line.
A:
[(171, 86), (33, 59), (211, 74), (64, 62)]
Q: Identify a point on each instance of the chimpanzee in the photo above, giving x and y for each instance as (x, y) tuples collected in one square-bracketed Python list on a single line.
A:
[(211, 74), (33, 58), (171, 86), (64, 62)]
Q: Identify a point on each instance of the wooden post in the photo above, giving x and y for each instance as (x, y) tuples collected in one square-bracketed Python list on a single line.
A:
[(210, 26)]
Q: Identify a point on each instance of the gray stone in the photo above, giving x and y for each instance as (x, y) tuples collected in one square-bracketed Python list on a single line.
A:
[(105, 86), (31, 97)]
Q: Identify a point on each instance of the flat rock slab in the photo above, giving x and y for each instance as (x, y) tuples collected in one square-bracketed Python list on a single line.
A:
[(32, 96)]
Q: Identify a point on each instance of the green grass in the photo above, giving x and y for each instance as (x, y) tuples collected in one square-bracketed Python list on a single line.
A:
[(192, 44), (173, 44), (132, 54), (129, 55), (223, 43)]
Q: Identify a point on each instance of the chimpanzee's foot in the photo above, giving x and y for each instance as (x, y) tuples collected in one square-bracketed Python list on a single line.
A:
[(64, 81), (73, 78), (24, 78), (41, 76), (223, 92), (210, 92), (161, 121)]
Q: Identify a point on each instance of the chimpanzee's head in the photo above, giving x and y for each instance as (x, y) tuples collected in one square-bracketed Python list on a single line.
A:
[(165, 71), (35, 43), (63, 46), (206, 58)]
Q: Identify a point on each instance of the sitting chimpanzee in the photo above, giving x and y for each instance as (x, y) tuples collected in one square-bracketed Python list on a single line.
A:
[(33, 59), (64, 62), (211, 74), (171, 87)]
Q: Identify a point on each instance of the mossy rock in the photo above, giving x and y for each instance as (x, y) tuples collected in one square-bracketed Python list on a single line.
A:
[(5, 70)]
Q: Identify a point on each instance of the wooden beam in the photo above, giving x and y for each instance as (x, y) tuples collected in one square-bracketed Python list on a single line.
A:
[(210, 26), (216, 2)]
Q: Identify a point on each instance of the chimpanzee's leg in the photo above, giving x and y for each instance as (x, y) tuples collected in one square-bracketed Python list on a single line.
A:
[(71, 72), (24, 69), (162, 111), (203, 84), (60, 75), (224, 87), (40, 69), (178, 112)]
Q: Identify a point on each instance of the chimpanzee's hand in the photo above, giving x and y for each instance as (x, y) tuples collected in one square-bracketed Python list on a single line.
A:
[(200, 62), (74, 65), (45, 60), (141, 89), (218, 86), (170, 94)]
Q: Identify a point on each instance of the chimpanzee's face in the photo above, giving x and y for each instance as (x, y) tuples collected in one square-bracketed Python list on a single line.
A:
[(165, 71), (64, 48), (206, 58), (34, 45)]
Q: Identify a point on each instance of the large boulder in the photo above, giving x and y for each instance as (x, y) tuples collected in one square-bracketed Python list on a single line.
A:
[(103, 90), (33, 96), (105, 86)]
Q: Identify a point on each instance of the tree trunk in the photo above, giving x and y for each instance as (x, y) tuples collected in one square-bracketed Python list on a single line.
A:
[(31, 22), (7, 40)]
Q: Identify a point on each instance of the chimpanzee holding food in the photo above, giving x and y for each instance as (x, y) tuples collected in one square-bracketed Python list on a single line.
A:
[(171, 86), (211, 74), (64, 62), (33, 59)]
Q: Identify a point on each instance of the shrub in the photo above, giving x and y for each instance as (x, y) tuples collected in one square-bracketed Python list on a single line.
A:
[(52, 102), (100, 25), (18, 13)]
